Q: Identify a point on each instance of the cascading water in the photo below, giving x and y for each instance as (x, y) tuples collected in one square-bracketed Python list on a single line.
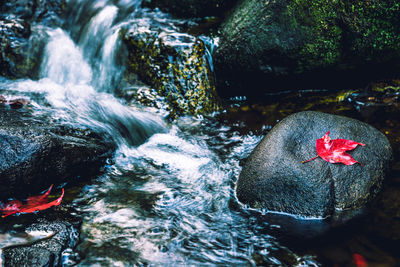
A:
[(76, 79), (168, 197)]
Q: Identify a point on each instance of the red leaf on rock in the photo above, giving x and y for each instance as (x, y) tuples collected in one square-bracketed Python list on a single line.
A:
[(359, 260), (334, 151), (34, 203)]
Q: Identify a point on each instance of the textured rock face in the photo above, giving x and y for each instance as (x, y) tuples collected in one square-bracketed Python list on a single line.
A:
[(46, 251), (34, 11), (190, 8), (308, 41), (20, 46), (175, 64), (36, 154), (14, 35), (274, 178)]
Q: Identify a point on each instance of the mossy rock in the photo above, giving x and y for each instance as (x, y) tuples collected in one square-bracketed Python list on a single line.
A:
[(266, 40), (176, 65), (47, 12), (20, 42), (14, 48)]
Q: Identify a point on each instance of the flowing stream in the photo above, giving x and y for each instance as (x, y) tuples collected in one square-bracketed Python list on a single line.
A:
[(167, 197)]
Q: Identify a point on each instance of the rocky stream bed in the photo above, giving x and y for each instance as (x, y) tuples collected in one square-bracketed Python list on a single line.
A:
[(147, 114)]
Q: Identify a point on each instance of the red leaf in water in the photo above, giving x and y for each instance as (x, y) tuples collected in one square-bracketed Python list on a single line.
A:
[(12, 206), (334, 151), (34, 203), (37, 200), (359, 260), (44, 205)]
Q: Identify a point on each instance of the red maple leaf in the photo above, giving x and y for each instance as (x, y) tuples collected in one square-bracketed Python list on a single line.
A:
[(34, 203), (334, 151), (359, 260)]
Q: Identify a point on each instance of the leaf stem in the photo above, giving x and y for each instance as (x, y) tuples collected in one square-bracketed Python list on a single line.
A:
[(305, 161)]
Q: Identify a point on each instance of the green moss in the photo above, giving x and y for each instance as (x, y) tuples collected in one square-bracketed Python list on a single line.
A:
[(374, 26), (177, 71), (321, 36), (391, 87), (334, 30)]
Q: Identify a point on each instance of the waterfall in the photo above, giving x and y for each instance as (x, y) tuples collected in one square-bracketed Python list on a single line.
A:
[(63, 61), (167, 197), (78, 77)]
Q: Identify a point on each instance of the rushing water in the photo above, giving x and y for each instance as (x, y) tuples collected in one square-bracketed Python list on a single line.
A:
[(167, 197)]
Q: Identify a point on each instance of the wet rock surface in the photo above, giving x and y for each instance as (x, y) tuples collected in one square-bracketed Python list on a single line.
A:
[(136, 212), (14, 35), (36, 153), (59, 236), (273, 177), (34, 11), (191, 8), (311, 43), (175, 64), (20, 45)]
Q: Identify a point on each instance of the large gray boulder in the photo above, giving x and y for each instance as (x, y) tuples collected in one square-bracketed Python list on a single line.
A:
[(309, 43), (36, 153), (274, 178)]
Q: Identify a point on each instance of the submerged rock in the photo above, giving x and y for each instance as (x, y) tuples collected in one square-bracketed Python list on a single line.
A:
[(36, 153), (191, 8), (310, 43), (274, 178), (53, 239), (175, 64)]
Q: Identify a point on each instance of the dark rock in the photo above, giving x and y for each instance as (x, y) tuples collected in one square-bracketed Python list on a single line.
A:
[(36, 153), (43, 252), (267, 45), (14, 48), (191, 8), (47, 12), (175, 64), (20, 44), (273, 178)]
